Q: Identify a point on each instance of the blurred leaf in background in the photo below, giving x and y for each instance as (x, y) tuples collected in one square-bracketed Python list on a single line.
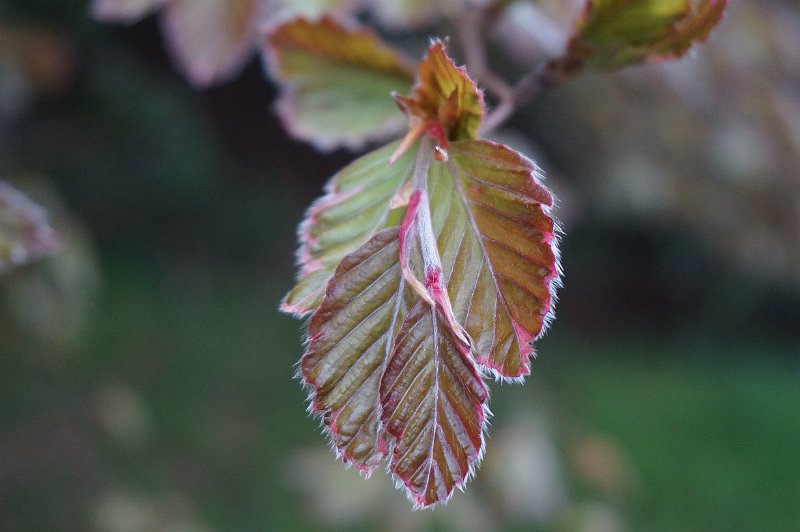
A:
[(25, 233)]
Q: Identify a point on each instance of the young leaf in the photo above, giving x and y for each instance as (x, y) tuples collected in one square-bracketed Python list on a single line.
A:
[(427, 395), (336, 83), (692, 29), (357, 205), (358, 199), (211, 40), (444, 97), (615, 33), (498, 245), (350, 338), (432, 400), (25, 233), (490, 204)]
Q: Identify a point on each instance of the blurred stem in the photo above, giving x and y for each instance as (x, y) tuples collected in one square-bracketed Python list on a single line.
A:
[(548, 75), (532, 85), (470, 32)]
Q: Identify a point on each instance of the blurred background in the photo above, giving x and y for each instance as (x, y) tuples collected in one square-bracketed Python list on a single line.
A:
[(146, 377)]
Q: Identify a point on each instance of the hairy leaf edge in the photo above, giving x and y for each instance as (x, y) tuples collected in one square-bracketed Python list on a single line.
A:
[(302, 258), (554, 281), (384, 447)]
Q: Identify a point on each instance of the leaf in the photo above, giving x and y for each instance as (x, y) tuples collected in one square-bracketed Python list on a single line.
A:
[(445, 96), (211, 40), (615, 33), (355, 207), (125, 11), (336, 83), (499, 253), (433, 405), (357, 201), (350, 338), (25, 233), (693, 28)]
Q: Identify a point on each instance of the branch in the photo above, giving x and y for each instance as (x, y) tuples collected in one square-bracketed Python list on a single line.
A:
[(470, 31)]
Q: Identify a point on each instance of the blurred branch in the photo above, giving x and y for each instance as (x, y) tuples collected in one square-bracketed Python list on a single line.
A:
[(548, 75), (470, 31)]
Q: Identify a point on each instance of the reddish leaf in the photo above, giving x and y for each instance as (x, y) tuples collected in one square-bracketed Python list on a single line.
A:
[(498, 245), (350, 338), (432, 399), (431, 396), (466, 279)]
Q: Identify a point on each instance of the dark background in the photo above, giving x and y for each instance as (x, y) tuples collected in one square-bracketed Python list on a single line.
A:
[(146, 375)]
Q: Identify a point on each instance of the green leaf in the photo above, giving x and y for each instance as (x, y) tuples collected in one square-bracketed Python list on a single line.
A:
[(615, 33), (355, 207), (693, 28), (336, 83), (25, 233)]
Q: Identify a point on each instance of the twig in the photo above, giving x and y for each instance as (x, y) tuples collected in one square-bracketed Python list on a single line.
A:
[(470, 31), (534, 83), (549, 74)]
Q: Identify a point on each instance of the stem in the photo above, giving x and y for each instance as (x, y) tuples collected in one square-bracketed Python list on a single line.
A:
[(427, 240), (417, 222), (470, 31), (547, 75), (533, 84), (423, 163), (417, 227)]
